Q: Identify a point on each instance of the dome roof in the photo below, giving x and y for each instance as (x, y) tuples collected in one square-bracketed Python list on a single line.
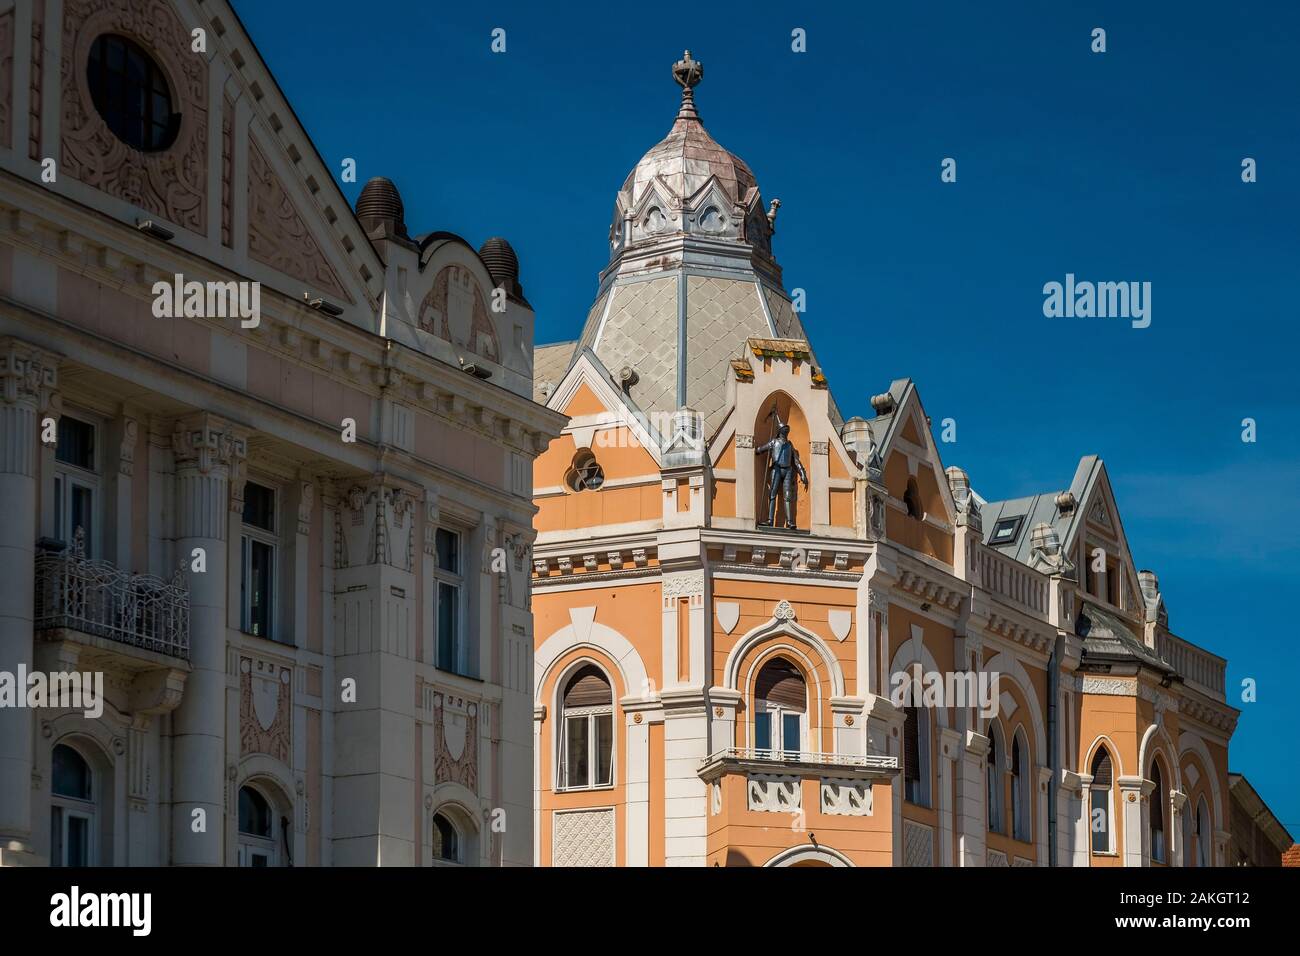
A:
[(500, 259), (381, 204), (688, 156)]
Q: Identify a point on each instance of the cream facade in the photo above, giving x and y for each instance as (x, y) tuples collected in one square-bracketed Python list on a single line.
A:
[(910, 675), (286, 517)]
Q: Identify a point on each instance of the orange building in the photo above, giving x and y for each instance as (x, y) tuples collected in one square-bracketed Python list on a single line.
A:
[(909, 675)]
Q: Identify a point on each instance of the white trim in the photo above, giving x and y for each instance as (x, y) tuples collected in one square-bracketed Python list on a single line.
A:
[(809, 852), (778, 628)]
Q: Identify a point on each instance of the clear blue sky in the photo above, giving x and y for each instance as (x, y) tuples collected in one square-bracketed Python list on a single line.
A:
[(1119, 166)]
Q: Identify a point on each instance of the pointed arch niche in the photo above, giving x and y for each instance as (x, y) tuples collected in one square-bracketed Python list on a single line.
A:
[(764, 430)]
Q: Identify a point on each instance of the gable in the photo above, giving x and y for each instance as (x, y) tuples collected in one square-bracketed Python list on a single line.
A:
[(584, 402), (234, 177)]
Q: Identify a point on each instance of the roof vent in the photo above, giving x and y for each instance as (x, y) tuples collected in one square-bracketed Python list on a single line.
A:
[(883, 403), (1065, 503), (627, 377)]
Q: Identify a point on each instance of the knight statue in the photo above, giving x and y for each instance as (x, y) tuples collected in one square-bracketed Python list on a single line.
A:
[(782, 467)]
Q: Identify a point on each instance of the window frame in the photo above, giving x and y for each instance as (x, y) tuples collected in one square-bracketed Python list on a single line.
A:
[(462, 665), (1015, 521), (587, 715), (1159, 799), (1022, 818), (920, 795), (247, 536), (64, 809), (157, 134), (994, 769), (253, 845), (1109, 790), (67, 476), (459, 855)]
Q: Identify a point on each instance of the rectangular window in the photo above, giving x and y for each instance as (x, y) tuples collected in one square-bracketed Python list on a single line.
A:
[(790, 742), (76, 484), (258, 561), (1100, 821), (452, 647), (762, 731), (604, 748), (577, 748), (588, 757)]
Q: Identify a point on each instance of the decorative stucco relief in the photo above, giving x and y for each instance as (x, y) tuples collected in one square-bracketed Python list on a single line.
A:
[(277, 236), (375, 525), (455, 758), (455, 310), (265, 702), (170, 183)]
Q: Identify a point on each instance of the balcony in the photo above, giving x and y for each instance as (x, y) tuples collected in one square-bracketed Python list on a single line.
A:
[(762, 803), (1017, 585), (97, 600), (1198, 668)]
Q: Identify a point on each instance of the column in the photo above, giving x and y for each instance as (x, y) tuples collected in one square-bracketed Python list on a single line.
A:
[(207, 450), (28, 379), (1131, 791)]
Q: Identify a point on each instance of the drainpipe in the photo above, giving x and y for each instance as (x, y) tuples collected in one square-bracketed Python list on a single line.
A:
[(1053, 757)]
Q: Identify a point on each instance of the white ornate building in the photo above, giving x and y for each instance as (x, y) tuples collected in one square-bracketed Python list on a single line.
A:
[(293, 539)]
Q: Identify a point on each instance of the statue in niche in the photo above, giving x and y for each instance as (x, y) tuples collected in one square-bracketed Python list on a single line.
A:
[(783, 465)]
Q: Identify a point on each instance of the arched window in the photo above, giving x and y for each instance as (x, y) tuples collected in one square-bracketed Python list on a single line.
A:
[(446, 840), (916, 755), (131, 93), (1100, 809), (1157, 814), (1020, 790), (587, 736), (912, 498), (72, 809), (1189, 835), (780, 710), (257, 846), (585, 472), (993, 778), (1204, 834)]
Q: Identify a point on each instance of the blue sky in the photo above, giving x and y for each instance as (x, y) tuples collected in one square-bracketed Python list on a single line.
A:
[(1122, 166)]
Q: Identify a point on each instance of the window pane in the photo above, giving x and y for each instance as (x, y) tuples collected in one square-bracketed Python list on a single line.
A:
[(76, 443), (576, 748), (259, 506), (78, 846), (448, 551), (71, 774), (83, 516), (790, 734), (254, 813), (259, 859), (258, 587), (604, 748), (58, 509), (1100, 821), (448, 621), (763, 731)]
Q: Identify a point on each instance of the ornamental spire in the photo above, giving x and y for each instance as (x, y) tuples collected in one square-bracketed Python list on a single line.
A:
[(688, 73)]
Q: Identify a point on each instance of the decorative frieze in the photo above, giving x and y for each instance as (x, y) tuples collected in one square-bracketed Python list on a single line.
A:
[(265, 708), (772, 793), (845, 798)]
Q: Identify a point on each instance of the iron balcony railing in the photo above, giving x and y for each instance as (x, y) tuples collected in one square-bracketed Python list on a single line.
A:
[(98, 598)]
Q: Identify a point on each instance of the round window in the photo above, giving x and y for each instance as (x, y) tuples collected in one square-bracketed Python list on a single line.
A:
[(585, 473), (131, 93)]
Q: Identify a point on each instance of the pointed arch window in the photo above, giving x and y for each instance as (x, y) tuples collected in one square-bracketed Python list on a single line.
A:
[(916, 755), (780, 710), (1101, 808), (993, 778), (1204, 835), (1020, 792), (446, 840), (587, 731), (1157, 814)]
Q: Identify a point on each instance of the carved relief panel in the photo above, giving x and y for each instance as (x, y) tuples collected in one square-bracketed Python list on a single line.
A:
[(455, 754), (265, 708), (375, 525), (172, 182), (456, 310)]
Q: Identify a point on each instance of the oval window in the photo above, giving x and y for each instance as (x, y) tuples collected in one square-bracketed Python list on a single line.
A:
[(131, 93)]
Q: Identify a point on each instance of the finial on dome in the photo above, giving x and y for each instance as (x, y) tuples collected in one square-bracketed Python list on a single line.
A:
[(688, 73)]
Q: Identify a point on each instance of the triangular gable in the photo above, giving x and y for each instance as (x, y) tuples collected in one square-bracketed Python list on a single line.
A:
[(907, 426), (1096, 506), (589, 382)]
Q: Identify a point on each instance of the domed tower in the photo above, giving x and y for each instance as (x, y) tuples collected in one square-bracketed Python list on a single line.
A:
[(691, 274)]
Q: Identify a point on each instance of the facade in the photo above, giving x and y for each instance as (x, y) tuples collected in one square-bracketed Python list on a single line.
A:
[(265, 470), (911, 674), (1258, 837)]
